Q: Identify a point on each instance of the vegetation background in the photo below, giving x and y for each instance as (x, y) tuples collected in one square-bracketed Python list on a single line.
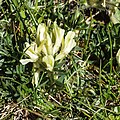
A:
[(88, 86)]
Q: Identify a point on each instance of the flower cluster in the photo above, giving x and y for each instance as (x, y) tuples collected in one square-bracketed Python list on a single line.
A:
[(48, 48)]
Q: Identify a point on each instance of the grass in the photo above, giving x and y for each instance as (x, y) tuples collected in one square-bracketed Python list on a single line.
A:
[(88, 85)]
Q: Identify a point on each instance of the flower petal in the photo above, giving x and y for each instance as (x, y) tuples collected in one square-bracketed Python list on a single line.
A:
[(49, 60), (31, 51), (61, 55), (35, 78), (40, 47), (32, 47), (69, 42), (67, 45), (49, 44), (41, 33), (32, 56), (25, 61), (118, 57), (58, 34)]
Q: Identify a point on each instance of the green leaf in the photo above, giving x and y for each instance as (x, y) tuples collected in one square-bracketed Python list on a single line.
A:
[(1, 62), (22, 13)]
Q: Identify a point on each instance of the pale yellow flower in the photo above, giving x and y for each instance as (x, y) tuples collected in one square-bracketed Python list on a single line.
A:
[(48, 48), (36, 77), (67, 45), (49, 61), (31, 52), (43, 35), (118, 57), (58, 35)]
